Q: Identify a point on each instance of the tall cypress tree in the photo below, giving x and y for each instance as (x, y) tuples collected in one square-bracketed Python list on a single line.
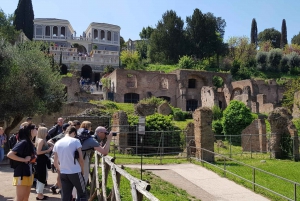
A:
[(24, 17), (254, 32), (283, 40)]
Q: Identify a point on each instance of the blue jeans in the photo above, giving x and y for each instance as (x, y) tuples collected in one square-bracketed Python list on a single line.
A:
[(1, 153)]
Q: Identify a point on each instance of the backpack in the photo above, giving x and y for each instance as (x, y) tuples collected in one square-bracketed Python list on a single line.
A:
[(83, 134), (12, 141)]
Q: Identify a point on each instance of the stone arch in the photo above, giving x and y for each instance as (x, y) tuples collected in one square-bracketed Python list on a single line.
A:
[(131, 98), (167, 98), (235, 92), (199, 80), (86, 72), (63, 69), (63, 31), (191, 104)]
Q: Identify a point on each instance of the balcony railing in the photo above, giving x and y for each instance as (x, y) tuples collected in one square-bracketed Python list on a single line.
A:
[(83, 59)]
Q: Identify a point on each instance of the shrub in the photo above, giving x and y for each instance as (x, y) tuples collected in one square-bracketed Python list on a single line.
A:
[(152, 100), (217, 128), (236, 117), (294, 60), (186, 62), (284, 66), (297, 124), (218, 81), (179, 115), (188, 114), (261, 60), (274, 58), (217, 112)]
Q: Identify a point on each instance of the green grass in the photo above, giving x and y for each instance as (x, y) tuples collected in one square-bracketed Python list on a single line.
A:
[(182, 124), (165, 68), (159, 188)]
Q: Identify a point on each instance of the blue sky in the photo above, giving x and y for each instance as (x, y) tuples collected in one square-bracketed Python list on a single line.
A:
[(133, 15)]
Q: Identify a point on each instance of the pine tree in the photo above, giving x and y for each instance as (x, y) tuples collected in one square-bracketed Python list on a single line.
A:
[(24, 17), (254, 32), (283, 40)]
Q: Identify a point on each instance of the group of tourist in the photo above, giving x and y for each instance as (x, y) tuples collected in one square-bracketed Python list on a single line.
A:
[(86, 85), (61, 149)]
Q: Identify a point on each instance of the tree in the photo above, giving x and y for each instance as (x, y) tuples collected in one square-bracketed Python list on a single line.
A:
[(130, 59), (283, 40), (205, 34), (24, 17), (288, 95), (296, 39), (29, 86), (122, 43), (167, 41), (146, 32), (261, 60), (272, 35), (254, 32), (142, 48), (186, 62), (7, 30), (236, 117), (274, 58)]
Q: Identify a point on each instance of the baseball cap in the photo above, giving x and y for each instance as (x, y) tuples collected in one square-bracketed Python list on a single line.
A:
[(65, 126), (76, 123), (100, 129)]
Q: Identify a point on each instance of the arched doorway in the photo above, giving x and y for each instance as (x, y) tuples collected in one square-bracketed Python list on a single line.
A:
[(191, 105), (63, 69), (131, 98), (168, 99), (86, 72)]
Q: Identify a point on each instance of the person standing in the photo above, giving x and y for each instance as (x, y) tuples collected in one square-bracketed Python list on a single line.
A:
[(57, 129), (97, 85), (2, 142), (71, 170), (21, 154), (100, 85), (42, 151)]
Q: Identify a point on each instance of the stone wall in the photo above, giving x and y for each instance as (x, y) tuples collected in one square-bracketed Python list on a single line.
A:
[(264, 108), (204, 136), (208, 97), (120, 125), (254, 137)]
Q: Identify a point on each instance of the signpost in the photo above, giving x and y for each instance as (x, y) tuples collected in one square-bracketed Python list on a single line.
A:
[(142, 123)]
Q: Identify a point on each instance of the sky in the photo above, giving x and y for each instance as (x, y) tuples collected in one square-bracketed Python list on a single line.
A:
[(133, 15)]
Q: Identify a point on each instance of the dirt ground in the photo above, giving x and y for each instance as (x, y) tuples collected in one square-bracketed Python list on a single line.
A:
[(8, 192)]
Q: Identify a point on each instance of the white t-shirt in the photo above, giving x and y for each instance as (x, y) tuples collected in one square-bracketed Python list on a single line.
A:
[(65, 149)]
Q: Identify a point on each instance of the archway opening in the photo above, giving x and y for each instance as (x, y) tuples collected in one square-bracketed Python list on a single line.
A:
[(191, 105), (86, 72), (131, 98)]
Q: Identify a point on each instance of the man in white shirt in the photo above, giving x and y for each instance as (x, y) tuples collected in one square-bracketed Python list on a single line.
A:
[(70, 169)]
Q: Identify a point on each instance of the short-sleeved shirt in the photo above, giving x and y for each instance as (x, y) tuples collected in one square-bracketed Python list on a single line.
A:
[(23, 169), (89, 144), (65, 149)]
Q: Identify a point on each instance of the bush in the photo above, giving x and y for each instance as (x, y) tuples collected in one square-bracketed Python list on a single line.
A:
[(261, 60), (297, 124), (236, 117), (179, 116), (218, 81), (188, 114), (152, 100), (217, 112), (284, 66), (274, 58), (294, 60), (186, 62), (217, 127)]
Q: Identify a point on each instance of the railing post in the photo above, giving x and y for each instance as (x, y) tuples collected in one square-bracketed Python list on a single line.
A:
[(230, 148), (253, 176), (224, 167), (202, 157), (162, 148), (295, 191), (251, 145)]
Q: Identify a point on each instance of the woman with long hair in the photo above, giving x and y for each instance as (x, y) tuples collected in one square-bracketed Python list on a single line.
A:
[(42, 151), (22, 153)]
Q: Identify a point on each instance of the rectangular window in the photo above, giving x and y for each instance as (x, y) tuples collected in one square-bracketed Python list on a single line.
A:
[(192, 83), (116, 36)]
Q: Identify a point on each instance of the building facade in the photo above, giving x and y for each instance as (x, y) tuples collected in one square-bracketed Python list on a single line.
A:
[(89, 52)]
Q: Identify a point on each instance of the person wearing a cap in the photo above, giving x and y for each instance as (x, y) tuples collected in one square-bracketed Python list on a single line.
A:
[(91, 144)]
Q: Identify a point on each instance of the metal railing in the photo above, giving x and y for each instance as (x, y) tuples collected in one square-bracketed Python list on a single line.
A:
[(255, 170)]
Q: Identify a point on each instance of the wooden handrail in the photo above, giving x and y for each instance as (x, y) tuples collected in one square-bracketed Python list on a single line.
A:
[(138, 189)]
